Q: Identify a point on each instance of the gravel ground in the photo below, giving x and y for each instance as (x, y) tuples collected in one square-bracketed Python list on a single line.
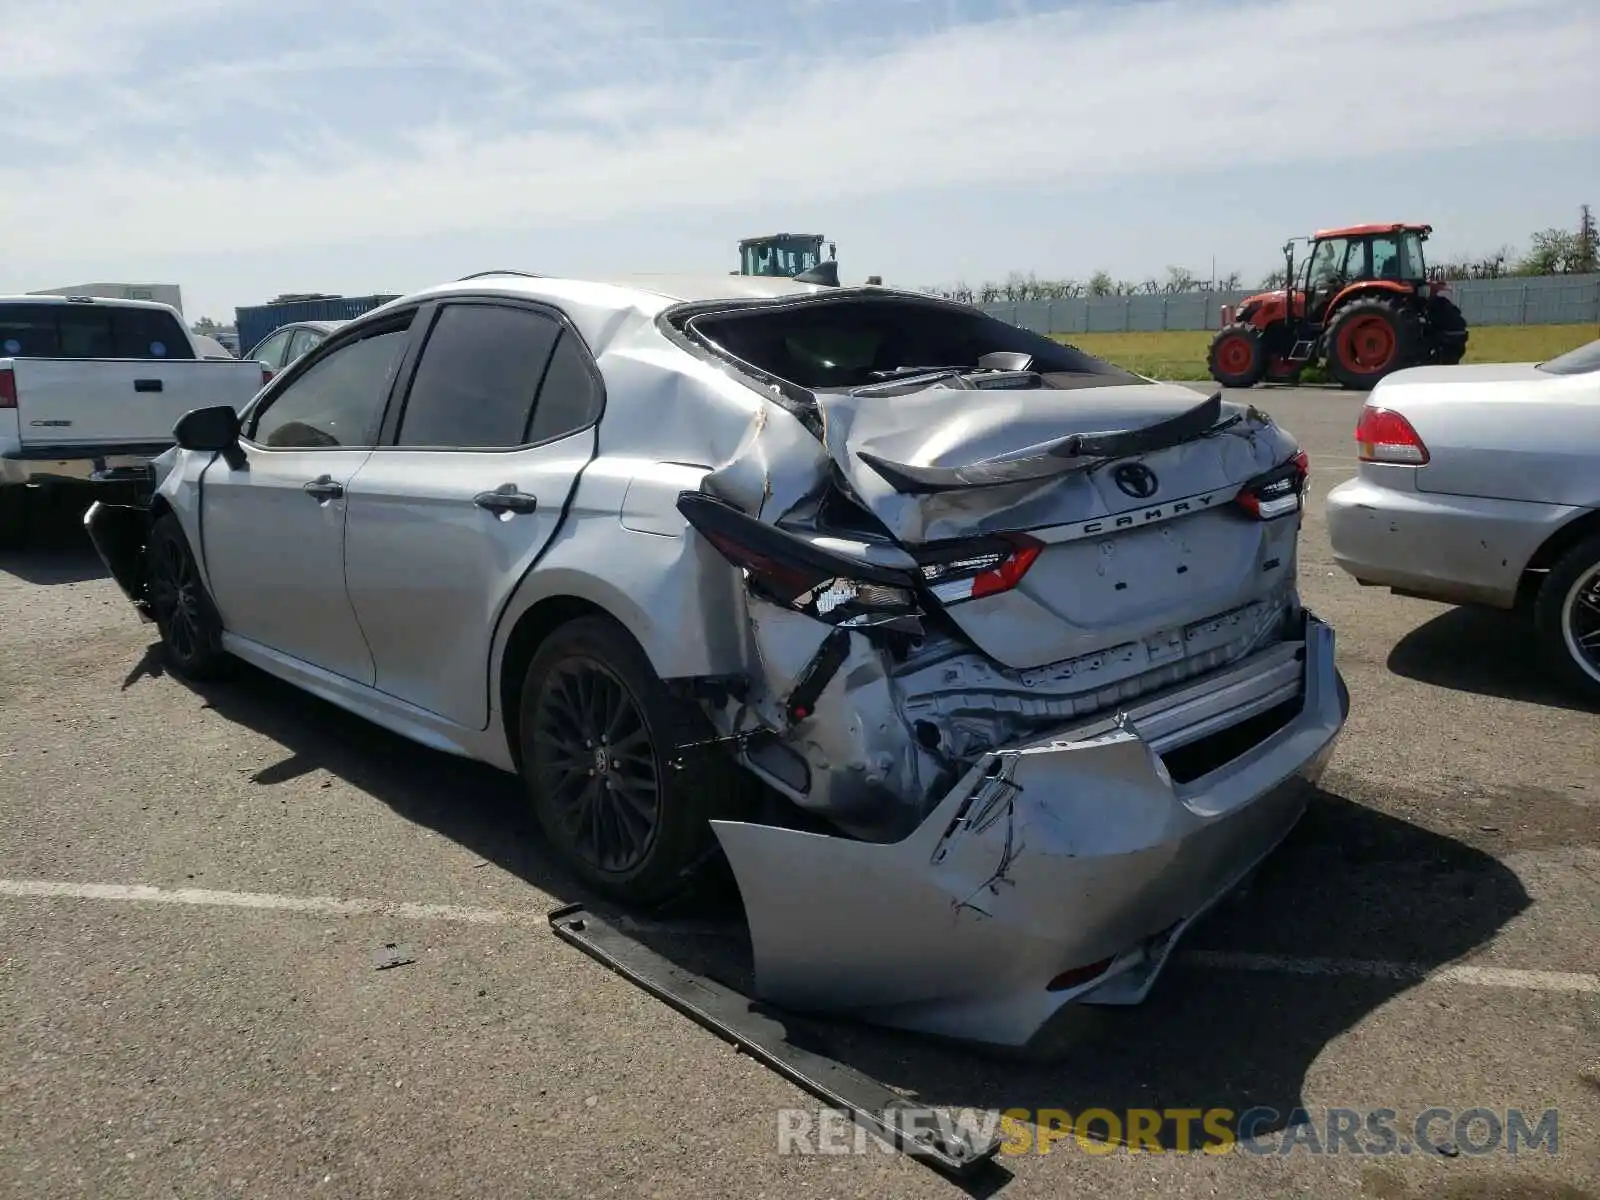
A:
[(242, 1043)]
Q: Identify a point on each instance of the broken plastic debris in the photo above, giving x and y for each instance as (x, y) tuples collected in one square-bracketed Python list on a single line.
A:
[(392, 955)]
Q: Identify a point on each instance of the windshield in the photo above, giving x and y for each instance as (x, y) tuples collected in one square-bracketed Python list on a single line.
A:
[(1575, 362), (851, 343)]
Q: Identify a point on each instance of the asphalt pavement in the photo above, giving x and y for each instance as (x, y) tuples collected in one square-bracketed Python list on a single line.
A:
[(255, 947)]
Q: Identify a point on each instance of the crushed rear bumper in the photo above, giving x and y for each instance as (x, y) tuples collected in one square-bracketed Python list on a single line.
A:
[(1063, 868)]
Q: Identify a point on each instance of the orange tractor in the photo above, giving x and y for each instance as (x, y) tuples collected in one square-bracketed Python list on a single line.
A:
[(1363, 301)]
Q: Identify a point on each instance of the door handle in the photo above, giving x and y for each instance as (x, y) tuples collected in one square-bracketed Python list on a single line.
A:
[(506, 499), (323, 488), (147, 385)]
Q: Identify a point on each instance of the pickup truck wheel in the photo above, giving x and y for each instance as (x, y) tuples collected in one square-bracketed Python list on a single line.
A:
[(1567, 617), (602, 742), (191, 630)]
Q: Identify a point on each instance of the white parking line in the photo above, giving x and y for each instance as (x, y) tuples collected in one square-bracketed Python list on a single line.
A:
[(1502, 977), (1494, 977)]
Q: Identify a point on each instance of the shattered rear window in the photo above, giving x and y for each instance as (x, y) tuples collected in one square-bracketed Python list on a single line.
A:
[(837, 344)]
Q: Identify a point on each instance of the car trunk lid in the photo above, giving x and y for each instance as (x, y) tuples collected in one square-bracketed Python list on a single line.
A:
[(1119, 502)]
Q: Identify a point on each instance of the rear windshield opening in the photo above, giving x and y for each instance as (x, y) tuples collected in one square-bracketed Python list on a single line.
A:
[(839, 344)]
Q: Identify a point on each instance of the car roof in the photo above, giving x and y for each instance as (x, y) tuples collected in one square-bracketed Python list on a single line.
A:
[(595, 304)]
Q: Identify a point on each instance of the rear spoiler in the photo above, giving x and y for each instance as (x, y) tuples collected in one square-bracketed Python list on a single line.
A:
[(1073, 453)]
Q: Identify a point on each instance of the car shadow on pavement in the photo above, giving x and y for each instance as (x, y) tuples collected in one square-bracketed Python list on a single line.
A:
[(1486, 652), (54, 547), (1350, 884)]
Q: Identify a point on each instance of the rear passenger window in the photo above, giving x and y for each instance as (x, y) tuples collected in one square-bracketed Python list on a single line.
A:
[(570, 397), (480, 370)]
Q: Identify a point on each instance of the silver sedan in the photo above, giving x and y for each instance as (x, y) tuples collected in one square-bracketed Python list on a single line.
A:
[(980, 659), (1481, 485)]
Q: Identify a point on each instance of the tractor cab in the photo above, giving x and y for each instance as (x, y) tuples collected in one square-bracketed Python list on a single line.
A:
[(782, 255), (1359, 254)]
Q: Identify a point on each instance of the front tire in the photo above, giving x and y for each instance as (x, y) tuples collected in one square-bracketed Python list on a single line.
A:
[(190, 627), (1238, 356), (602, 744), (1566, 617)]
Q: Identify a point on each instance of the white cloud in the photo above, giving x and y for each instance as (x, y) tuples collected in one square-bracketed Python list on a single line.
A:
[(577, 111)]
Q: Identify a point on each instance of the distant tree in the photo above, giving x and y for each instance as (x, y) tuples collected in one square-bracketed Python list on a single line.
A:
[(1551, 252), (1230, 282), (1181, 279), (1101, 284), (206, 326), (1588, 248), (1273, 279)]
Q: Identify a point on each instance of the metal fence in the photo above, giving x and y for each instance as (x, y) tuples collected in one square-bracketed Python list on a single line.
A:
[(1538, 300)]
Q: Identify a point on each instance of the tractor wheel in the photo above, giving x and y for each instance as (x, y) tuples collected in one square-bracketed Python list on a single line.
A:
[(1447, 332), (1237, 357), (1372, 337)]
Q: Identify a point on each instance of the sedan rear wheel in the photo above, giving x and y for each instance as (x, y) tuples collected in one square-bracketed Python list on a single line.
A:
[(1568, 616), (616, 765)]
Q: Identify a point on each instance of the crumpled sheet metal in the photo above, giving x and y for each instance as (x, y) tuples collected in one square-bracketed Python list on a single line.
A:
[(1046, 856)]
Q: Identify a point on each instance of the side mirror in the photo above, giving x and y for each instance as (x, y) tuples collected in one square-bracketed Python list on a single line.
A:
[(215, 428)]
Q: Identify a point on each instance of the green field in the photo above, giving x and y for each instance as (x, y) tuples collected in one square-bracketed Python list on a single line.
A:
[(1181, 354)]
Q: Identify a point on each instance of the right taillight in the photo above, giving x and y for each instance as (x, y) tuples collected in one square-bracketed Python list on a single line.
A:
[(1384, 436), (8, 389), (266, 375)]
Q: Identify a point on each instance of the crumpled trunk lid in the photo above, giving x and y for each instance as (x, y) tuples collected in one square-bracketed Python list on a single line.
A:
[(1130, 557)]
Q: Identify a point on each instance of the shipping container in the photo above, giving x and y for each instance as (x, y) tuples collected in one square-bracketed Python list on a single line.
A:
[(256, 323)]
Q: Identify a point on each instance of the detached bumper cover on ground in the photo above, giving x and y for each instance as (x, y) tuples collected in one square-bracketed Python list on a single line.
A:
[(1048, 857)]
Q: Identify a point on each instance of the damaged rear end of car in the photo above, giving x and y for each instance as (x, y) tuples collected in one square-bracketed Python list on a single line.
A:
[(1028, 649)]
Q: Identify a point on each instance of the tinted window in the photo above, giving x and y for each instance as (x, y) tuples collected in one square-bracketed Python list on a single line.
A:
[(335, 402), (850, 343), (271, 350), (304, 340), (477, 378), (90, 331), (1575, 362), (149, 333), (570, 397)]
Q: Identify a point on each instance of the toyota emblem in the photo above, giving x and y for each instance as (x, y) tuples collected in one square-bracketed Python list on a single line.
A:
[(1136, 480)]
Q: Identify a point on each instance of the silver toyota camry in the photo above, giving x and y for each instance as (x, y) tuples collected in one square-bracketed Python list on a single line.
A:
[(981, 660)]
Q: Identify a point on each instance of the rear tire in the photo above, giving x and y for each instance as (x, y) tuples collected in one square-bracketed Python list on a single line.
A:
[(1372, 337), (1238, 356), (1447, 332), (190, 626), (1566, 617), (603, 749)]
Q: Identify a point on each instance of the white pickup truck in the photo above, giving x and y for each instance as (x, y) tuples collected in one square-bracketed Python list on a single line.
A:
[(90, 390)]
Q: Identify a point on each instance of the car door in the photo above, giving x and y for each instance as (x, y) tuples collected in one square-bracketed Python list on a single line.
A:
[(445, 517), (273, 522)]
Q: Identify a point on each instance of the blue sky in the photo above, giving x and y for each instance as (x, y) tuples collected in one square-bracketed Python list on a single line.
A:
[(242, 148)]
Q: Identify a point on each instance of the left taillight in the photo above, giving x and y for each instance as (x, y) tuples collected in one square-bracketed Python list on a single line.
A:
[(797, 573), (8, 388), (1279, 492)]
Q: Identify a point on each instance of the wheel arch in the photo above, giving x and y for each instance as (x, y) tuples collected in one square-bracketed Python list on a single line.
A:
[(1580, 528), (1366, 289), (527, 634)]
